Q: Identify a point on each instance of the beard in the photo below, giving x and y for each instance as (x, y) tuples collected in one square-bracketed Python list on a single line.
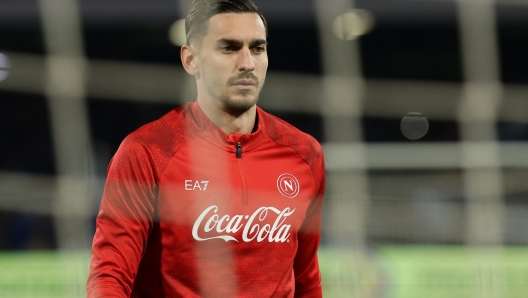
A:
[(240, 101), (238, 106)]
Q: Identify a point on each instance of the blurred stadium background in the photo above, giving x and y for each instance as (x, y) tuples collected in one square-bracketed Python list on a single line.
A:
[(442, 216)]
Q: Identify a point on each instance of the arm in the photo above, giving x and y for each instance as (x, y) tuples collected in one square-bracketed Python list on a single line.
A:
[(123, 223), (306, 266)]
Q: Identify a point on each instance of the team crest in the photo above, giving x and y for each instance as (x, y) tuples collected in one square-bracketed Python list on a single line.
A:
[(288, 185)]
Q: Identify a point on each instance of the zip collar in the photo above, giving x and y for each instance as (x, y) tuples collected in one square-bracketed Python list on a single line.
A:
[(216, 136)]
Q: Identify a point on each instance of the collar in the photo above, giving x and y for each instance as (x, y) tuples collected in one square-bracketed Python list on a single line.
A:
[(215, 135)]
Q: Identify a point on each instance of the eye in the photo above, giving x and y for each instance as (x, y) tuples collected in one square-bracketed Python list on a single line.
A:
[(227, 49), (259, 49)]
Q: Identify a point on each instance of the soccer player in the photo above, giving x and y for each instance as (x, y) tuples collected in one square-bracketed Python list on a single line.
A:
[(217, 198)]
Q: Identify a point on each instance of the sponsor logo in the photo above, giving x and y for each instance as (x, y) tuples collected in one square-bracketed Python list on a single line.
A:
[(288, 185), (252, 225), (196, 185)]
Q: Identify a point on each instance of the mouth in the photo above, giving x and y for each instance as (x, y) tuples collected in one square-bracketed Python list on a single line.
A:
[(245, 84)]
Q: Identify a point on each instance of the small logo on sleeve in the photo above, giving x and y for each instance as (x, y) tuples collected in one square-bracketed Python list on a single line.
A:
[(288, 185)]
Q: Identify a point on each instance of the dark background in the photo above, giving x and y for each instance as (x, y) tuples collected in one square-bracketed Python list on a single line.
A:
[(412, 40)]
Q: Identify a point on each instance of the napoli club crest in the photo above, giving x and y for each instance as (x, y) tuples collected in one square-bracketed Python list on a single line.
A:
[(288, 185)]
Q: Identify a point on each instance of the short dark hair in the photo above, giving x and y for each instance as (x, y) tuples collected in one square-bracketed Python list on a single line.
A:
[(201, 11)]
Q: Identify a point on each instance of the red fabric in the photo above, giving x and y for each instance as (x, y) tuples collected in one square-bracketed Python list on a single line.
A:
[(183, 216)]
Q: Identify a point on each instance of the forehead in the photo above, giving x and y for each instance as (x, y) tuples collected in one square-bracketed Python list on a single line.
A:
[(239, 26)]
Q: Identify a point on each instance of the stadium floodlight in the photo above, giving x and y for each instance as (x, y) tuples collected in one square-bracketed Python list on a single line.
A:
[(177, 33), (352, 24)]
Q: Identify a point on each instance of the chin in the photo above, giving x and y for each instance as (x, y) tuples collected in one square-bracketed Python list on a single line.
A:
[(239, 106)]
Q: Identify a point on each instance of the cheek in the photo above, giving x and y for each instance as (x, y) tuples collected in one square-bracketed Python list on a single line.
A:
[(263, 63), (218, 71), (263, 67)]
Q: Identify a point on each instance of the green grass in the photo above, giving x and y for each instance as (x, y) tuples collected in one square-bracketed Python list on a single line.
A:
[(43, 274), (384, 272), (426, 271)]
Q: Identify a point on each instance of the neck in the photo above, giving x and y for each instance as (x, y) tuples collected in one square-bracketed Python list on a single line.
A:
[(240, 124)]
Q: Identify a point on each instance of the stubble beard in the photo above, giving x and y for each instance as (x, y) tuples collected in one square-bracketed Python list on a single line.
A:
[(238, 106), (242, 100)]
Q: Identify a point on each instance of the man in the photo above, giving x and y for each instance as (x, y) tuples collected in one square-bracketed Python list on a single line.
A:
[(217, 198)]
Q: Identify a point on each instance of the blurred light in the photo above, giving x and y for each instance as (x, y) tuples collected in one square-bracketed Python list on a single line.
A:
[(5, 67), (414, 126), (177, 33), (350, 25)]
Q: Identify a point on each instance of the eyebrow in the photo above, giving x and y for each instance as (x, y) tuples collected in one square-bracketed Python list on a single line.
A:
[(235, 42)]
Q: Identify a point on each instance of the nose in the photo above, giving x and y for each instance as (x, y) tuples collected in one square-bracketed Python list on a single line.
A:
[(245, 60)]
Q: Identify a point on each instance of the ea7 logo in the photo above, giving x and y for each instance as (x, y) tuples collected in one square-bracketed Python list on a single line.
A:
[(288, 185), (196, 185)]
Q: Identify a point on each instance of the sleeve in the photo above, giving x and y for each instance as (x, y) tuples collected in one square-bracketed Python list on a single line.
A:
[(124, 222), (306, 265)]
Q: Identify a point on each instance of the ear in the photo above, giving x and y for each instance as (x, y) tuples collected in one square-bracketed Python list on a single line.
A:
[(189, 60)]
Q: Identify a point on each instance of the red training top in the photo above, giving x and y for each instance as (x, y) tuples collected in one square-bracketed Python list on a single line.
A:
[(189, 211)]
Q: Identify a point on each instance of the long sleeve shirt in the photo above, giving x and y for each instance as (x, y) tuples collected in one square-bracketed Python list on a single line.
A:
[(188, 211)]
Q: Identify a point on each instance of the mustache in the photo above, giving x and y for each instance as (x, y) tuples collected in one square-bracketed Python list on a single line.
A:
[(243, 76)]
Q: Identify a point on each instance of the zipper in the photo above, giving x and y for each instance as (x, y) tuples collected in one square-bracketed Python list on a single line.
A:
[(239, 150), (241, 170)]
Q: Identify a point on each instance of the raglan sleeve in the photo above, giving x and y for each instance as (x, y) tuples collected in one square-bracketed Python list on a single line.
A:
[(306, 265), (124, 221)]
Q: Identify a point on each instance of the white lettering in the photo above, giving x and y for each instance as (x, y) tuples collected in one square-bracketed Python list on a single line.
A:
[(234, 225), (254, 228), (205, 183), (188, 184), (199, 220), (261, 235), (197, 185), (288, 184), (208, 227), (283, 233), (219, 223)]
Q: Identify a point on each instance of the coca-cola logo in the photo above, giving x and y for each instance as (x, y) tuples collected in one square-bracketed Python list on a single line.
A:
[(253, 225)]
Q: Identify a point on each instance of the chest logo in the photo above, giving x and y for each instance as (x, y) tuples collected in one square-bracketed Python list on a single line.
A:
[(288, 185), (196, 185)]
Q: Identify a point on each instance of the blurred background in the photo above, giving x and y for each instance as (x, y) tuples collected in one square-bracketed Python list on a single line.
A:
[(421, 107)]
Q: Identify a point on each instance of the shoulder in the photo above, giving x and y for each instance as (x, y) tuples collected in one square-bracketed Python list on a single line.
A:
[(165, 128), (156, 142), (283, 133), (167, 133), (306, 146)]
